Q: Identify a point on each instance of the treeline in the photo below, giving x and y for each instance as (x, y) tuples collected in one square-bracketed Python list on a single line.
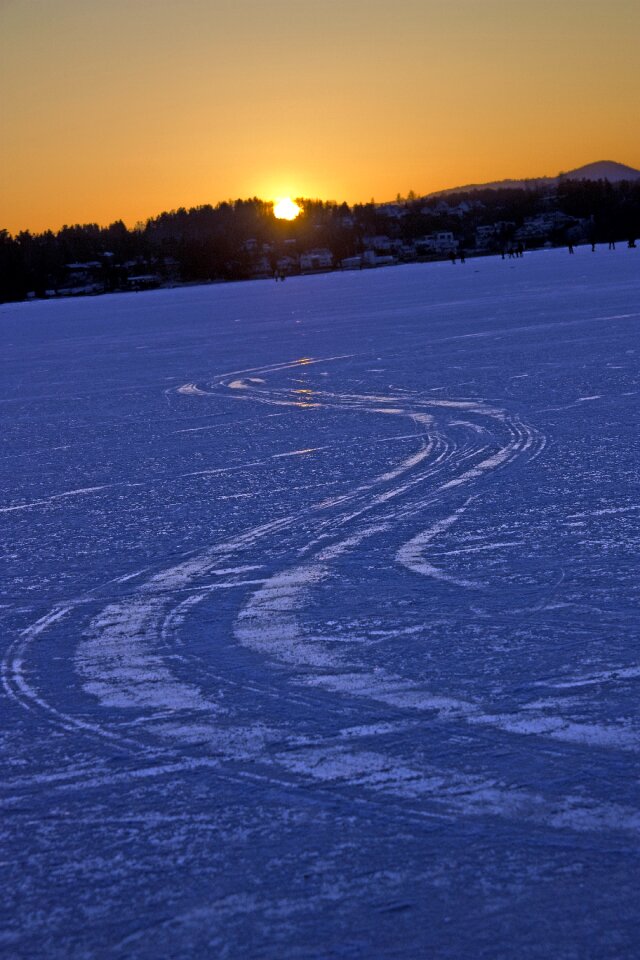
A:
[(226, 242), (202, 243), (612, 208)]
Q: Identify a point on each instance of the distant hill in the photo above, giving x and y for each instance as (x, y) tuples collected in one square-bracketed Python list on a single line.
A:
[(601, 170)]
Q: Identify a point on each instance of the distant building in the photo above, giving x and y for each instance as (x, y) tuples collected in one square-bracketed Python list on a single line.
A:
[(261, 268), (144, 281), (82, 272), (441, 244), (321, 259), (543, 226), (392, 210), (491, 234), (287, 264), (485, 235), (371, 258), (82, 278), (381, 243)]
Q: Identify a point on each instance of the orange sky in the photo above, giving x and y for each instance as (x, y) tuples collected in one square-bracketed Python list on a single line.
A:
[(125, 108)]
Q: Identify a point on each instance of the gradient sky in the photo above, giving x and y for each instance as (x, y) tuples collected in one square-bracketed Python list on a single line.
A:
[(125, 108)]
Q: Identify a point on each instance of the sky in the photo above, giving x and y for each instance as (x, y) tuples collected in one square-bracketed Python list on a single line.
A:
[(124, 108)]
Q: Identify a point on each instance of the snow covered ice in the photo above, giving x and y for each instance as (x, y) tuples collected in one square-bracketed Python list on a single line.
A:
[(320, 622)]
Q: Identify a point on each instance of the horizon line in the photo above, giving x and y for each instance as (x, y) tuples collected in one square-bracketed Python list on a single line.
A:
[(472, 185)]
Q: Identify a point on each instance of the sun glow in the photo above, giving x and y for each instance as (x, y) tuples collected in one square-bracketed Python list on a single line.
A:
[(286, 209)]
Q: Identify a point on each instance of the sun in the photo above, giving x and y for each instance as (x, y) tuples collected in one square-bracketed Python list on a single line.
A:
[(286, 209)]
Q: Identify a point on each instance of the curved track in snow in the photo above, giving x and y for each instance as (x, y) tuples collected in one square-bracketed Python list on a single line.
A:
[(286, 658)]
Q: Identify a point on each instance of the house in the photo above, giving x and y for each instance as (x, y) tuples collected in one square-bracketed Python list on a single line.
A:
[(542, 227), (144, 281), (381, 244), (436, 208), (82, 278), (371, 258), (392, 210), (441, 243), (81, 273), (287, 265), (461, 210), (493, 234), (261, 268), (321, 259)]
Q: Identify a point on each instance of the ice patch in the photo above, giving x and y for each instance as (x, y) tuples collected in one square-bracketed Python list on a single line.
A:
[(192, 390), (245, 383)]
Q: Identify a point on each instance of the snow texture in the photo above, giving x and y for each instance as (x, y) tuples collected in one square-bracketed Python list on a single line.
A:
[(320, 622)]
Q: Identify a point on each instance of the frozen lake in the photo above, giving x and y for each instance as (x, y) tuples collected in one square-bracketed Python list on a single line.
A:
[(320, 624)]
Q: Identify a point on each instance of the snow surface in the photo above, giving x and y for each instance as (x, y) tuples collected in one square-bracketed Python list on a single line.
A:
[(320, 631)]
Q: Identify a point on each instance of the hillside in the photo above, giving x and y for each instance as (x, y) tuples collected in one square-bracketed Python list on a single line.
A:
[(600, 170)]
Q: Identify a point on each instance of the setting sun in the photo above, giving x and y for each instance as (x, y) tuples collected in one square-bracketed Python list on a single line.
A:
[(286, 209)]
